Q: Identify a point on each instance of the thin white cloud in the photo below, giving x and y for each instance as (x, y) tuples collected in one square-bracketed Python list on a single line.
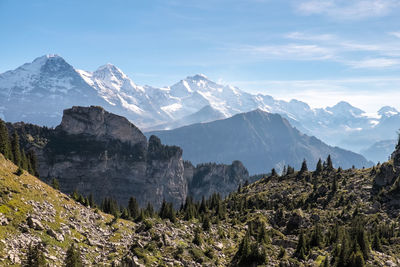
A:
[(310, 37), (347, 9), (374, 63), (290, 51), (328, 47), (395, 34)]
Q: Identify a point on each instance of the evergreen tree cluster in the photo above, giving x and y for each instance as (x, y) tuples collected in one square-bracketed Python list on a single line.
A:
[(252, 249), (35, 257), (207, 211), (10, 148), (351, 244), (86, 201), (167, 212), (132, 212)]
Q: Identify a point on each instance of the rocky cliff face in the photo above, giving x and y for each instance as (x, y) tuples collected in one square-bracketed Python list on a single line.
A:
[(96, 152), (97, 122), (210, 178), (396, 155)]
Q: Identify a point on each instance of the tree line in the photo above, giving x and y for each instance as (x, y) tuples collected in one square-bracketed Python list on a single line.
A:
[(10, 148)]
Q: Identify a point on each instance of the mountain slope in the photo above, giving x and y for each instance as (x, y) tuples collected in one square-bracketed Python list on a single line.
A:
[(259, 139), (379, 151), (297, 219), (32, 212), (37, 92)]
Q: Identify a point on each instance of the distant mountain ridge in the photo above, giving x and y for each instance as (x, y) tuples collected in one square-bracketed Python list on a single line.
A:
[(49, 84), (259, 139)]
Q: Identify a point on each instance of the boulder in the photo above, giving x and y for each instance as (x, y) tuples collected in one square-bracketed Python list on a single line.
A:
[(35, 224), (54, 234)]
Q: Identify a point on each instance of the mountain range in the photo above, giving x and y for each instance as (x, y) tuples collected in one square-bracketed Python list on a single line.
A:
[(49, 84), (259, 139)]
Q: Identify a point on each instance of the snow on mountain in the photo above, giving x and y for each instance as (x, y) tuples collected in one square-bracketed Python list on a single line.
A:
[(49, 84), (388, 111)]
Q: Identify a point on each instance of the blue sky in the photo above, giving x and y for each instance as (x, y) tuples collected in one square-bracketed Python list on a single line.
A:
[(316, 51)]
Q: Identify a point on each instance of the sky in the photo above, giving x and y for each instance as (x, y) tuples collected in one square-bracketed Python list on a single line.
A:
[(317, 51)]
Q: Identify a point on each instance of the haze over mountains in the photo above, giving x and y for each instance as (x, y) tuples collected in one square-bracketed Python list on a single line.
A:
[(260, 140), (49, 84)]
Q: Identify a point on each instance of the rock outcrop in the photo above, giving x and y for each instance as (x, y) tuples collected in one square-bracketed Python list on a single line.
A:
[(210, 178), (96, 152), (396, 155)]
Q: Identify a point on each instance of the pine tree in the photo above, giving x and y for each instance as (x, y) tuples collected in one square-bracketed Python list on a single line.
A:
[(376, 243), (32, 163), (316, 237), (206, 225), (91, 201), (362, 240), (273, 172), (329, 165), (284, 171), (133, 208), (343, 256), (263, 237), (203, 206), (15, 150), (73, 257), (167, 211), (304, 167), (125, 214), (318, 169), (75, 195), (357, 259), (34, 257), (244, 249), (149, 210), (55, 184), (4, 140), (334, 185), (290, 170), (24, 160), (301, 249), (197, 240)]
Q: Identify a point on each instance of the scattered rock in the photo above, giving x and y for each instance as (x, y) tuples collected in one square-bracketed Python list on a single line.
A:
[(14, 258), (3, 220), (57, 236), (35, 224)]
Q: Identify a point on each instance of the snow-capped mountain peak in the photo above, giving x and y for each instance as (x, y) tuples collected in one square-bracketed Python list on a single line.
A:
[(49, 84), (46, 74), (345, 108), (198, 77), (388, 111)]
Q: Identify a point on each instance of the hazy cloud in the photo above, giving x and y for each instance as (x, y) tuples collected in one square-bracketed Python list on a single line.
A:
[(395, 34), (369, 94), (374, 63), (310, 37), (290, 51), (328, 47), (347, 9)]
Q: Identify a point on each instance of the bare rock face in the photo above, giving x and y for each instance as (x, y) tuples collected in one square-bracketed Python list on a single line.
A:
[(96, 152), (97, 122), (396, 156), (216, 178)]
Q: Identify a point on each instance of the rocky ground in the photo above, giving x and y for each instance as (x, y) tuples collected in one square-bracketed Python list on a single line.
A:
[(284, 206)]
